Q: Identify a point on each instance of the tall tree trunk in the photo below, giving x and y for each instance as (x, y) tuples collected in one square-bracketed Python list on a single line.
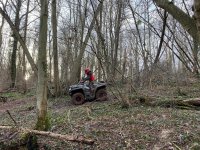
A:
[(196, 42), (55, 47), (124, 64), (1, 40), (1, 28), (50, 56), (24, 56), (162, 38), (117, 33), (42, 120), (15, 42), (195, 57), (99, 44), (197, 16)]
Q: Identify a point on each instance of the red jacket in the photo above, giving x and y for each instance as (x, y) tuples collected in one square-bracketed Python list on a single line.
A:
[(89, 76)]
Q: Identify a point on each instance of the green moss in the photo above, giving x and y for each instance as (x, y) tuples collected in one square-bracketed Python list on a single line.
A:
[(24, 136), (43, 124)]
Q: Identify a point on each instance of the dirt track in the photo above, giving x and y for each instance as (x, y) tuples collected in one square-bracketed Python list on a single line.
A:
[(12, 104)]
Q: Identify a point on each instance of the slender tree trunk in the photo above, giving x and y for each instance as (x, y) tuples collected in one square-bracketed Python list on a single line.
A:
[(124, 64), (1, 28), (50, 56), (195, 57), (24, 56), (15, 42), (55, 47), (137, 79), (99, 45), (1, 40), (117, 33), (197, 16), (161, 39), (197, 42), (111, 53), (42, 120)]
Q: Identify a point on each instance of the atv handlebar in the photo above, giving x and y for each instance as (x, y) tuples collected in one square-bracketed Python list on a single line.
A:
[(81, 82)]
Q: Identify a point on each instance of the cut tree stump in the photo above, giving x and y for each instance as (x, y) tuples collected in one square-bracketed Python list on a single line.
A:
[(79, 139)]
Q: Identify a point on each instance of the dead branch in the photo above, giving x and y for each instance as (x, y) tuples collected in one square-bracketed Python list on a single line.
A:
[(79, 139), (192, 103), (11, 117)]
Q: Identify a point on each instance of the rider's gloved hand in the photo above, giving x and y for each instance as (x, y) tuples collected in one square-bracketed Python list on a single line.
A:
[(81, 81)]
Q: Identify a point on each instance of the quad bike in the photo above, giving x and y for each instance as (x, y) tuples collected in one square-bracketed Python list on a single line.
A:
[(81, 92)]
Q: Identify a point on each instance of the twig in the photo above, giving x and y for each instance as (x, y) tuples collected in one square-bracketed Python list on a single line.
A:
[(11, 117), (176, 146)]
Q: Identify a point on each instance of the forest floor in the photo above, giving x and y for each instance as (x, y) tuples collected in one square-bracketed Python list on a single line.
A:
[(111, 126)]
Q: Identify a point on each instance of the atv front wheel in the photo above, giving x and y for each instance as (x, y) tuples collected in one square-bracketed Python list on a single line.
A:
[(78, 98), (101, 95)]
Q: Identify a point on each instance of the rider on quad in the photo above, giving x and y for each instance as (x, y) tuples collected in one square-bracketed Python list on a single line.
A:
[(88, 91), (89, 77)]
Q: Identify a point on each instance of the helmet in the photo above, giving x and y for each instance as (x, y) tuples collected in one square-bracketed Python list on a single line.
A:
[(87, 70)]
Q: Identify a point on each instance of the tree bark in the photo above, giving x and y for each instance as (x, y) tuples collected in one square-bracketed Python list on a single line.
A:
[(1, 28), (197, 15), (55, 47), (15, 42), (42, 120), (116, 39), (1, 40), (24, 55), (161, 39)]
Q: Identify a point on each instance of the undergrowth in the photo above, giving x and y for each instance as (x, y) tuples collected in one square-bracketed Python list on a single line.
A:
[(140, 126)]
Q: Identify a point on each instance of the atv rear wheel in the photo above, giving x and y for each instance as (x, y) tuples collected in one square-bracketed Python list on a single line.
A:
[(78, 98), (101, 95)]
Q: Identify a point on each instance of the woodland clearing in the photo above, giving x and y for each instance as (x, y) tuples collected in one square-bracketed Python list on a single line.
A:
[(142, 126)]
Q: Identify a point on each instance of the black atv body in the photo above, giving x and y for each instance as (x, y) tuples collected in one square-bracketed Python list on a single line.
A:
[(82, 92)]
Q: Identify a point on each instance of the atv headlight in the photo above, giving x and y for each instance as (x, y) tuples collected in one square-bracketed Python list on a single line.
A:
[(70, 89)]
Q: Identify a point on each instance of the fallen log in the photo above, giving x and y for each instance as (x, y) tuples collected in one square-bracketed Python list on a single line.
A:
[(193, 101), (79, 139)]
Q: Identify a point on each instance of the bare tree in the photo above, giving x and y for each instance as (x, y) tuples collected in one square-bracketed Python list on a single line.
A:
[(55, 47), (25, 36), (42, 120), (15, 42), (117, 35)]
